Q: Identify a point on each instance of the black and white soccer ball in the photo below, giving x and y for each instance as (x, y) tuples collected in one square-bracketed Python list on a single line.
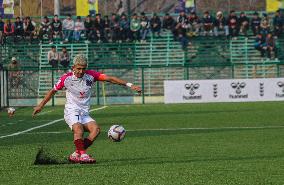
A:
[(116, 133), (11, 111)]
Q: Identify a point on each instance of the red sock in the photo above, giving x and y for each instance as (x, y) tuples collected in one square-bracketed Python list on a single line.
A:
[(79, 146), (87, 143)]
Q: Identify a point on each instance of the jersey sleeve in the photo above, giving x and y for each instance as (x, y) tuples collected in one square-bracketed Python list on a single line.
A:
[(97, 75), (61, 82)]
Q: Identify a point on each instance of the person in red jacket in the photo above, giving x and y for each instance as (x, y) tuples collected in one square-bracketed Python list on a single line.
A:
[(9, 29)]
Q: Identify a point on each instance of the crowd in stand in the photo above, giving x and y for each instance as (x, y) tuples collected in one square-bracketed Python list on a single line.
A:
[(120, 28)]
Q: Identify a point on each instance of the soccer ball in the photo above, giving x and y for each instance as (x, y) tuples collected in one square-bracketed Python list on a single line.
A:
[(11, 111), (116, 133)]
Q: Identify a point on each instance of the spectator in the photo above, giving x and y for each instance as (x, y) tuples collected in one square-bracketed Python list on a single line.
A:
[(135, 26), (107, 28), (244, 23), (220, 25), (145, 27), (207, 22), (270, 46), (45, 30), (115, 28), (78, 29), (260, 44), (68, 28), (194, 23), (9, 29), (99, 28), (233, 24), (278, 23), (168, 22), (52, 57), (255, 23), (14, 73), (1, 31), (89, 29), (64, 58), (56, 28), (265, 25), (181, 26), (156, 24), (29, 28), (19, 28), (124, 28)]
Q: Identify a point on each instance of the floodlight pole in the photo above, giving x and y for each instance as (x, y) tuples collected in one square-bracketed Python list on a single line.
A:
[(56, 7)]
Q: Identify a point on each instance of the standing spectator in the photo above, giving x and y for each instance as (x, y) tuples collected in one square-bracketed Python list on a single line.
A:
[(1, 31), (64, 58), (89, 29), (14, 73), (156, 24), (233, 24), (68, 28), (220, 25), (260, 44), (194, 23), (29, 28), (265, 25), (99, 28), (168, 22), (278, 23), (207, 22), (78, 29), (52, 57), (135, 27), (45, 29), (56, 28), (244, 23), (124, 28), (9, 29), (255, 23), (270, 46), (19, 28), (115, 28), (145, 26)]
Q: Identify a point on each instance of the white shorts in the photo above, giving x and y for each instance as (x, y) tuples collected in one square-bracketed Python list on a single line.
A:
[(72, 117)]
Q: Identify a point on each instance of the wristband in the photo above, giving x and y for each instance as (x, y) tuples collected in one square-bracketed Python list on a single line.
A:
[(129, 84)]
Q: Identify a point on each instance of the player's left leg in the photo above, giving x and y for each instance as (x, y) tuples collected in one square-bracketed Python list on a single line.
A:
[(94, 130)]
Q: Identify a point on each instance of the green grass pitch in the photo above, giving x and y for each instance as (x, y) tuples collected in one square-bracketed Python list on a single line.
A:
[(216, 143)]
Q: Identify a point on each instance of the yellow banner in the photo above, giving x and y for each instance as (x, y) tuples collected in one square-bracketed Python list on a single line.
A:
[(274, 5), (82, 7), (8, 6)]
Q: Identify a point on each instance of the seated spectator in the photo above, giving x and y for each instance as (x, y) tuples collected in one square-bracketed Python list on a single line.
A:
[(270, 46), (207, 22), (78, 29), (220, 25), (255, 23), (278, 21), (168, 22), (181, 26), (1, 31), (265, 26), (115, 28), (9, 29), (233, 24), (107, 28), (155, 24), (52, 57), (244, 23), (99, 25), (19, 29), (64, 58), (89, 28), (135, 26), (260, 44), (124, 28), (29, 28), (45, 30), (56, 28), (194, 23), (68, 28), (145, 27)]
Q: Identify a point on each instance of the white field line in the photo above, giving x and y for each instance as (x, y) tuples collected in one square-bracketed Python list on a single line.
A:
[(44, 125), (46, 112), (178, 129)]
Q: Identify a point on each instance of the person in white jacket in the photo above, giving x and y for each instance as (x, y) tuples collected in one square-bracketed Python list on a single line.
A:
[(79, 29), (68, 28)]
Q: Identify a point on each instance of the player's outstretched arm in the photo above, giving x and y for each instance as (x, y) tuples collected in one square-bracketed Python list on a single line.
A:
[(47, 97), (115, 80)]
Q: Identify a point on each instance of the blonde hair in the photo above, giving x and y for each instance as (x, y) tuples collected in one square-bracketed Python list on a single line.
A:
[(80, 59)]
